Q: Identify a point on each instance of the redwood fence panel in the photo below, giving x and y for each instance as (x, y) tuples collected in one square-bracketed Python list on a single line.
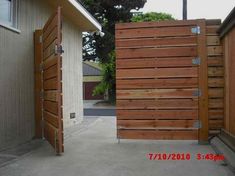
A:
[(162, 79)]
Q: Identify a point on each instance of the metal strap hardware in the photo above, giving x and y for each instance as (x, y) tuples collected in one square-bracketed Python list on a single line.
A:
[(197, 124), (59, 49), (40, 39), (196, 61), (197, 93), (196, 30)]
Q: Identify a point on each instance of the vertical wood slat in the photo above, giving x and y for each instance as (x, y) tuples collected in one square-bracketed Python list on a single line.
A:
[(59, 79), (38, 83), (203, 82)]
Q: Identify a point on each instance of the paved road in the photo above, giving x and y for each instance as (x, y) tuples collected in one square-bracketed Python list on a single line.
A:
[(99, 112)]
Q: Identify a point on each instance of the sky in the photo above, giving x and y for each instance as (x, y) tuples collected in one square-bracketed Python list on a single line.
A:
[(209, 9)]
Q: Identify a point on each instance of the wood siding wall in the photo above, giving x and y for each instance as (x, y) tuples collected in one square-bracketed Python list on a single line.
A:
[(229, 57), (17, 72), (215, 77)]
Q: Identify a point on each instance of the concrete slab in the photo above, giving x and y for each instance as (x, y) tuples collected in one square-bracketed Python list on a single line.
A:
[(94, 151)]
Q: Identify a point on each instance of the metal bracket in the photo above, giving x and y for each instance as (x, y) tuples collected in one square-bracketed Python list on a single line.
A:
[(196, 61), (59, 49), (196, 30), (197, 93), (197, 124)]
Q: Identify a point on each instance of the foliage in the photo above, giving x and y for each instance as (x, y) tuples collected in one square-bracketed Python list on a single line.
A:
[(108, 82), (151, 16), (108, 12)]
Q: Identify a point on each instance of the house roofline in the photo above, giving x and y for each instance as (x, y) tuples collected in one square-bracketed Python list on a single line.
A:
[(227, 24), (86, 14)]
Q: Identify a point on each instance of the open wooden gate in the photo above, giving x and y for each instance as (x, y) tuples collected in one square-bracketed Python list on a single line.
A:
[(162, 80), (49, 60)]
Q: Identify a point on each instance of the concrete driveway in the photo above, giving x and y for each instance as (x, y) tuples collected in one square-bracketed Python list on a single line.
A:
[(92, 150)]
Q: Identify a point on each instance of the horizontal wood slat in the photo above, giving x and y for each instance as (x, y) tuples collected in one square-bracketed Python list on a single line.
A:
[(154, 32), (50, 73), (158, 73), (51, 118), (158, 62), (157, 52), (150, 134), (50, 95), (213, 40), (52, 37), (215, 61), (215, 71), (158, 104), (51, 107), (168, 23), (158, 124), (153, 42), (157, 114), (50, 84), (160, 93), (214, 50), (159, 83)]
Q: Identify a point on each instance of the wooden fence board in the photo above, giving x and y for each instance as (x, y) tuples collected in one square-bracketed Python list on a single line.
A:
[(167, 135), (153, 42), (160, 93), (154, 32), (157, 52), (161, 83), (159, 114), (158, 104), (157, 73)]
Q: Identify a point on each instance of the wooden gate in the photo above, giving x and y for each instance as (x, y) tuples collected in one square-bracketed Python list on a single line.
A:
[(49, 62), (161, 80)]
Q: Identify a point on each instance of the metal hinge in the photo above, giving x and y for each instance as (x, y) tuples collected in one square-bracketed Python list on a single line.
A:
[(196, 61), (59, 49), (42, 94), (197, 124), (42, 124), (197, 93), (41, 67), (196, 30), (40, 39)]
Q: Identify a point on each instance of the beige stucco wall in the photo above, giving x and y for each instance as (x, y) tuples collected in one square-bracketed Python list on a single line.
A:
[(17, 73)]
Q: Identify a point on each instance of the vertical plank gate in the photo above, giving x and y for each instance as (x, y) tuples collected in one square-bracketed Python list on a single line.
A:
[(50, 59), (161, 80)]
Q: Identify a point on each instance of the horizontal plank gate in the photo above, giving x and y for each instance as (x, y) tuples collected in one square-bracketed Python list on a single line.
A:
[(161, 80), (48, 80)]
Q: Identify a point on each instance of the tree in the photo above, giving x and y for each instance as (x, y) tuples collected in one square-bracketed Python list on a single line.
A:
[(151, 16), (108, 13)]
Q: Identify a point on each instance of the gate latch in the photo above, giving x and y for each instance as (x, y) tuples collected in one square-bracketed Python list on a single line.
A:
[(196, 30), (59, 49), (196, 61), (197, 124)]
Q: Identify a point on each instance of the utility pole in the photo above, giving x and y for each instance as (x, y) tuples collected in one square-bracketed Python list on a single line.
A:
[(184, 9)]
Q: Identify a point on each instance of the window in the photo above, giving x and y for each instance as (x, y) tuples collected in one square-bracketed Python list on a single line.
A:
[(8, 13)]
